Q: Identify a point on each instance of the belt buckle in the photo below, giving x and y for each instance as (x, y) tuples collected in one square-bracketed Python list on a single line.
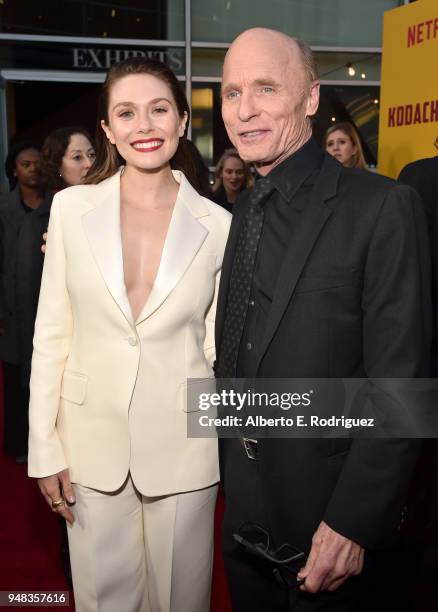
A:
[(250, 446)]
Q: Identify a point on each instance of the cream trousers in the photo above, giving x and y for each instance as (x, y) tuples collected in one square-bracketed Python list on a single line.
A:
[(131, 553)]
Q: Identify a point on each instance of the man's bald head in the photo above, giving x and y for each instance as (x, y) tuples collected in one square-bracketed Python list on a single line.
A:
[(269, 94), (287, 47)]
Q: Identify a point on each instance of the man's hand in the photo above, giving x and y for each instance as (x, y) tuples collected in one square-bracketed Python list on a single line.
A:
[(50, 487), (332, 559)]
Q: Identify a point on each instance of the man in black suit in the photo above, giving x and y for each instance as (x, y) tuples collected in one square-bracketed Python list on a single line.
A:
[(21, 214), (325, 275), (421, 533), (422, 175)]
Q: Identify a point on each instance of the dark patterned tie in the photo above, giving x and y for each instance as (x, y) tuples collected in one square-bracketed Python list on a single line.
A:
[(241, 280)]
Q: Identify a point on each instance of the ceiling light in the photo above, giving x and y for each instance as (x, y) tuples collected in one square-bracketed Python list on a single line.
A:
[(363, 75), (333, 119), (351, 71)]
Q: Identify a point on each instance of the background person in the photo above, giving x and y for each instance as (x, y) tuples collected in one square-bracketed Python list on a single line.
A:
[(125, 316), (421, 533), (67, 155), (231, 176), (343, 142), (25, 200)]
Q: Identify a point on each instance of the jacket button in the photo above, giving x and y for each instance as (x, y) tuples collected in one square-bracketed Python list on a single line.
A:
[(132, 341)]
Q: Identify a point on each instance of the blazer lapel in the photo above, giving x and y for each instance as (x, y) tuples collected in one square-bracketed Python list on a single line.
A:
[(185, 237), (313, 218), (102, 228)]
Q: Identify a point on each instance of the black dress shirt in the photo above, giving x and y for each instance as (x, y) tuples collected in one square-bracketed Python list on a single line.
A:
[(27, 209), (293, 181)]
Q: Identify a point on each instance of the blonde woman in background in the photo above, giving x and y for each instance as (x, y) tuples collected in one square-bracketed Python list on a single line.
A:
[(231, 175), (343, 142)]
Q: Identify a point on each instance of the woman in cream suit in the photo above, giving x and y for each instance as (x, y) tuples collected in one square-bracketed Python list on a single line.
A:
[(125, 317)]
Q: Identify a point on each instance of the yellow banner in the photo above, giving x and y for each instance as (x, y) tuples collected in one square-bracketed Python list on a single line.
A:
[(408, 124)]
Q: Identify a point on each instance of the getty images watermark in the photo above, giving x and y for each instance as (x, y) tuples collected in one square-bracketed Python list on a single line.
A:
[(284, 401), (294, 408)]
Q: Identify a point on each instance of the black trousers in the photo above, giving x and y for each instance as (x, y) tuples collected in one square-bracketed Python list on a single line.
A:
[(16, 411), (253, 587)]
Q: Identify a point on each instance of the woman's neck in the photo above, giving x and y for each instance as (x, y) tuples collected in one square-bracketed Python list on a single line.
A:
[(31, 196), (231, 195), (149, 189)]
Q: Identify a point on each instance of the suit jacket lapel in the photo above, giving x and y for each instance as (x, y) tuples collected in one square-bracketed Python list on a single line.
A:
[(185, 237), (313, 218), (102, 228)]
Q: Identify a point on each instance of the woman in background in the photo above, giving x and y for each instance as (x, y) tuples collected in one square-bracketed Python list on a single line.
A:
[(343, 142), (67, 155), (232, 175)]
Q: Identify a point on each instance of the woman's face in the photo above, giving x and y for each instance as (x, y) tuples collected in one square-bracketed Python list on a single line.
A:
[(78, 159), (340, 146), (144, 123), (27, 168), (233, 174)]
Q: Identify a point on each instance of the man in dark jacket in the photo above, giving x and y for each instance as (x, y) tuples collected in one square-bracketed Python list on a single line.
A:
[(21, 213), (421, 533), (325, 275)]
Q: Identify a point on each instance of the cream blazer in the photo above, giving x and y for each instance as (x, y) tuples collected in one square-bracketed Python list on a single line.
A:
[(87, 348)]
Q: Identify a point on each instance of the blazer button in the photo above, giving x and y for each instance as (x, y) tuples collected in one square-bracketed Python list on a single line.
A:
[(132, 341)]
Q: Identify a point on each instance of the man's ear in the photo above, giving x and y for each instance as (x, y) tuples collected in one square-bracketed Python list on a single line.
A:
[(313, 99), (182, 125), (107, 131)]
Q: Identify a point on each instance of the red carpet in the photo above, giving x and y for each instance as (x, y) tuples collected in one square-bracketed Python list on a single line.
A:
[(30, 538)]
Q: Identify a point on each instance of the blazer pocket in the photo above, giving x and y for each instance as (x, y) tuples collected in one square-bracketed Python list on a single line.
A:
[(324, 283), (74, 387), (190, 393)]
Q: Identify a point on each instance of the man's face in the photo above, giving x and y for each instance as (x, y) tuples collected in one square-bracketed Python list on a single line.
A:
[(265, 101)]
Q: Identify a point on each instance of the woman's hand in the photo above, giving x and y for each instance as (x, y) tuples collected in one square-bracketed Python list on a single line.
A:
[(57, 492)]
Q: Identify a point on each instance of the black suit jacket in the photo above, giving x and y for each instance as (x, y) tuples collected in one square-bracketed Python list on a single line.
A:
[(352, 300), (422, 175), (21, 263)]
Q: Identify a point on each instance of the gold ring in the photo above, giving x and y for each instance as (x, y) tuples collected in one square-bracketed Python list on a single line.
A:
[(58, 502)]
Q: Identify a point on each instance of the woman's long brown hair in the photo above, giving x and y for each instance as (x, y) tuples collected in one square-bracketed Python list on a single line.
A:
[(108, 159)]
